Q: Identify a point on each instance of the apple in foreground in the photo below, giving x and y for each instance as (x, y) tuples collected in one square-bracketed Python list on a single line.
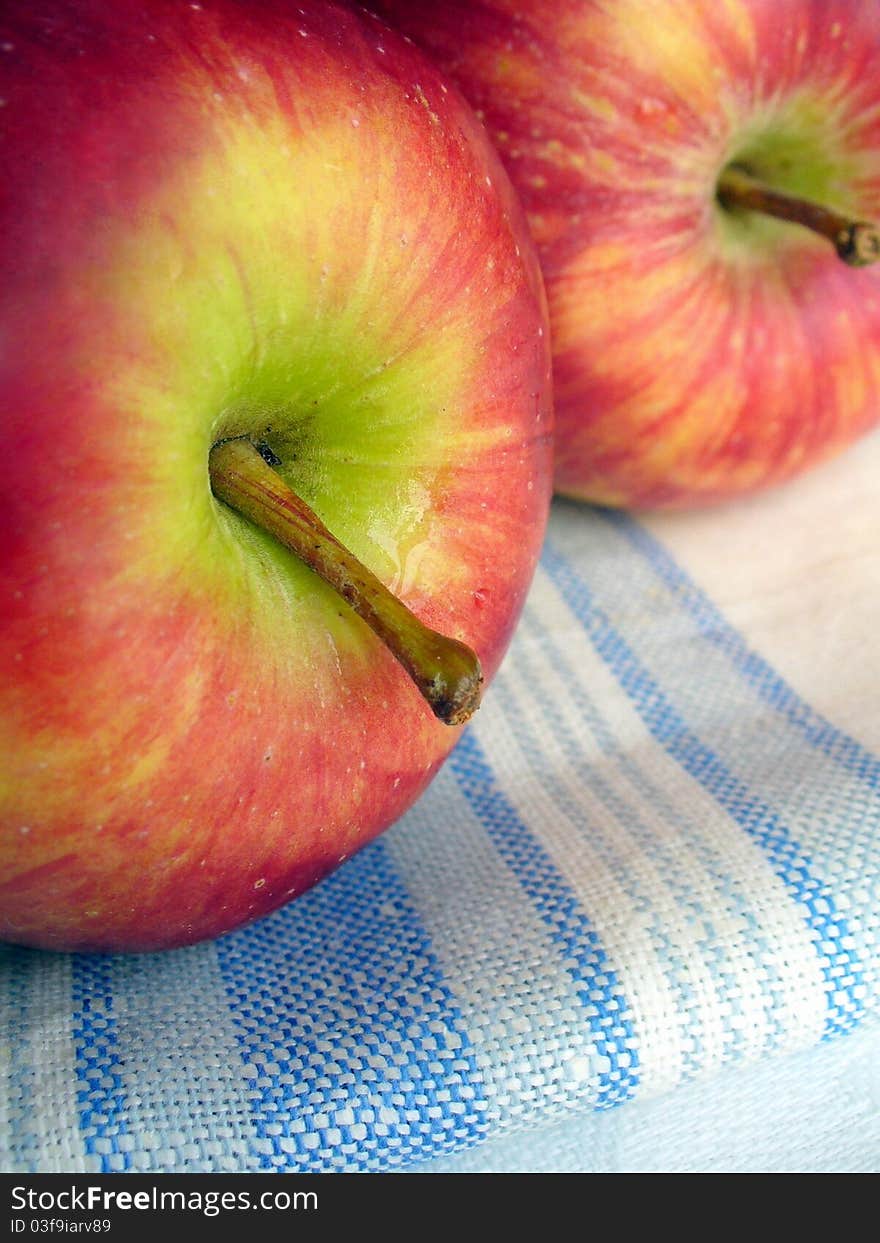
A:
[(263, 279), (703, 348)]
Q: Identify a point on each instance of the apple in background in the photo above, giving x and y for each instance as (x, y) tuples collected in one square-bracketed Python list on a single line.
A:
[(258, 254), (701, 348)]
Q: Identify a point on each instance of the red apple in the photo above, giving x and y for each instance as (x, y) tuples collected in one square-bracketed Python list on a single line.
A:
[(700, 351), (261, 233)]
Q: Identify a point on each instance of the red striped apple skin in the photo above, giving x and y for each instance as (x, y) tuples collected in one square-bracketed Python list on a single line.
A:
[(699, 354), (240, 219)]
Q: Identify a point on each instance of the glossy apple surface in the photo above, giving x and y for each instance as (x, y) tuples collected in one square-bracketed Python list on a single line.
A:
[(699, 353), (240, 219)]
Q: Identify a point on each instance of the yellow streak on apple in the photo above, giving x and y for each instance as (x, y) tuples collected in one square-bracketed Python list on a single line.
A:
[(229, 316)]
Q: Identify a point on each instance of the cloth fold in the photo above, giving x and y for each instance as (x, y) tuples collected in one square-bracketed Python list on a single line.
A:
[(652, 859)]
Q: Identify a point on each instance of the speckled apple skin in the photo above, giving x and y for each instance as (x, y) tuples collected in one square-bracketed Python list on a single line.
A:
[(240, 219), (698, 354)]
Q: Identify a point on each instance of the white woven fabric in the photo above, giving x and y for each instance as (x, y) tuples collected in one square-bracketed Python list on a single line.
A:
[(651, 866), (812, 1112)]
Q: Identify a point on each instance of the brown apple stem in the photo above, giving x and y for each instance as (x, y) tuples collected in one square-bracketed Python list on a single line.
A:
[(446, 672), (856, 242)]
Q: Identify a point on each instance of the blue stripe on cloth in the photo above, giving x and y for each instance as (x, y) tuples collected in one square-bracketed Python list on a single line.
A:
[(358, 1055), (672, 881), (100, 1090), (499, 956), (605, 1006), (714, 627), (840, 965)]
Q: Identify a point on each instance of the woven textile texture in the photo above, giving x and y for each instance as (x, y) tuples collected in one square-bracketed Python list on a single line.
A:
[(652, 861)]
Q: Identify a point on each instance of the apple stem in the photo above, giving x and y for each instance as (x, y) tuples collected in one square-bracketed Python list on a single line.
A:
[(857, 243), (446, 672)]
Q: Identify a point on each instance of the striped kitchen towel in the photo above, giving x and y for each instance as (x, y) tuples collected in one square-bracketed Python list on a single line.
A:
[(653, 857)]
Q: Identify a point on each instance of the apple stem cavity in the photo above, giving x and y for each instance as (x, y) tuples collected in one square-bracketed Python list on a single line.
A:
[(857, 242), (446, 672)]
